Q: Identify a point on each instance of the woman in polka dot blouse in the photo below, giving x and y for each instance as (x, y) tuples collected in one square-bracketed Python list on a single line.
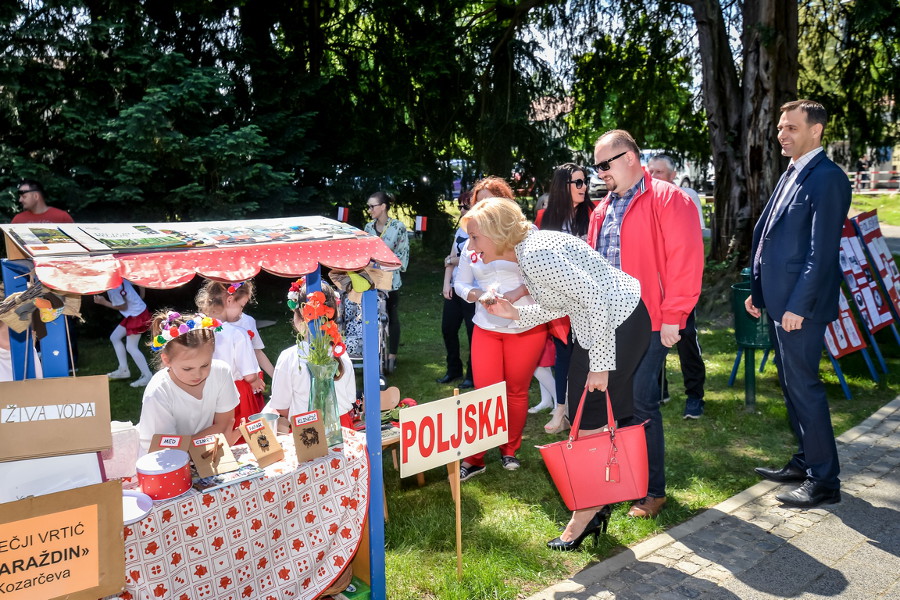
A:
[(610, 324)]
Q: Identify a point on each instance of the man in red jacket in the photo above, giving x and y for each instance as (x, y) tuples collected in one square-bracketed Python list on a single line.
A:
[(649, 229)]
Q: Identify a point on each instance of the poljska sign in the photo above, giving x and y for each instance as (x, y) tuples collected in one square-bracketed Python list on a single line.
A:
[(436, 433)]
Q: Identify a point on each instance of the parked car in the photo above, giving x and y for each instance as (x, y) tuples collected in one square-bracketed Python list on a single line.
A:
[(596, 186)]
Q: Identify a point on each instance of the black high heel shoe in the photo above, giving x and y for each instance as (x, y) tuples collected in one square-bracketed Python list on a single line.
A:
[(597, 525)]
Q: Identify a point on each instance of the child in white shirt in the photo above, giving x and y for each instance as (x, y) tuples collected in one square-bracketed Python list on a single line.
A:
[(194, 393), (226, 301), (291, 381)]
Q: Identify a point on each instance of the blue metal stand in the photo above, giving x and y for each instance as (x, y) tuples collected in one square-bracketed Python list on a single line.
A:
[(875, 349), (840, 375), (55, 347), (372, 391)]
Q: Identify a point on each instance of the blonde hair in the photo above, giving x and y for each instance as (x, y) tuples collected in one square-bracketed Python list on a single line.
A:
[(500, 220), (211, 297)]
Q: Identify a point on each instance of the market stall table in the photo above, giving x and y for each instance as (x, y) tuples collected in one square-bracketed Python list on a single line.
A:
[(285, 535)]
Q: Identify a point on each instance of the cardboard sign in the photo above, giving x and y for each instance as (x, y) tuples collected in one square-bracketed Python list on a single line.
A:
[(262, 442), (211, 455), (868, 299), (436, 433), (309, 435), (67, 544), (162, 441), (885, 267), (842, 336), (49, 417)]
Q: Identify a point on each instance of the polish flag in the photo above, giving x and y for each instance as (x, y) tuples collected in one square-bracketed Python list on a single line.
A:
[(343, 214), (421, 223)]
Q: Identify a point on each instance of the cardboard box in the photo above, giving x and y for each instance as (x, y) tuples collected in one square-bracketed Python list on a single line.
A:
[(49, 417), (64, 545)]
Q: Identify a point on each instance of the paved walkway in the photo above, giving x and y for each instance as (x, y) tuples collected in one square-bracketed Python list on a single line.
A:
[(750, 547)]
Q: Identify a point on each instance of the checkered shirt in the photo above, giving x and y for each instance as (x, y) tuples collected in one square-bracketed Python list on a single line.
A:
[(608, 241)]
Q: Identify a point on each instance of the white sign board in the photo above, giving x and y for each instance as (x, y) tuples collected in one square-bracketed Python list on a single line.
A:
[(440, 432)]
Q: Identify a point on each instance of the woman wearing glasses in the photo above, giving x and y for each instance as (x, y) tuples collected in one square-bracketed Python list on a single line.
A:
[(568, 210), (393, 233), (456, 310)]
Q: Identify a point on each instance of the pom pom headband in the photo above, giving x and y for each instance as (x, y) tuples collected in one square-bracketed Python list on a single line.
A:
[(293, 296), (169, 330)]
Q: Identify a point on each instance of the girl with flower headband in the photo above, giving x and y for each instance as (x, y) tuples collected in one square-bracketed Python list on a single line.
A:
[(291, 382), (226, 302), (192, 393)]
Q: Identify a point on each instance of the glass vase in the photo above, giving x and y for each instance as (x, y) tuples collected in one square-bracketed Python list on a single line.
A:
[(323, 398)]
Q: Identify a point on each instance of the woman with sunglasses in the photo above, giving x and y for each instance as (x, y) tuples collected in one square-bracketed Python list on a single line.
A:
[(393, 233), (568, 210)]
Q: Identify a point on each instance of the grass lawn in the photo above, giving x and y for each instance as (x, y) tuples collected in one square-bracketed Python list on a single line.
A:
[(888, 206), (508, 516)]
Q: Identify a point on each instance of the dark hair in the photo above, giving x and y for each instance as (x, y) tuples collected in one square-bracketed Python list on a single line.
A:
[(212, 295), (621, 139), (815, 112), (192, 339), (383, 197), (35, 186), (559, 209)]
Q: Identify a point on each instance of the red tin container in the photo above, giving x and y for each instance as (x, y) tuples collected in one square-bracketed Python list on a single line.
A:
[(164, 474)]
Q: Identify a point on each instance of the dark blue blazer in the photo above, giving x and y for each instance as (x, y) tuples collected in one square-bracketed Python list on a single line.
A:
[(798, 269)]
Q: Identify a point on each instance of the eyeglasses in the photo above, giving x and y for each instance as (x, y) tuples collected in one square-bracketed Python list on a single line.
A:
[(371, 206), (603, 165), (579, 183), (23, 192), (463, 206)]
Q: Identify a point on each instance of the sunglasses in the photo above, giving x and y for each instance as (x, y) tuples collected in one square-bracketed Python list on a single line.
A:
[(371, 206), (603, 165), (463, 206), (23, 192), (579, 183)]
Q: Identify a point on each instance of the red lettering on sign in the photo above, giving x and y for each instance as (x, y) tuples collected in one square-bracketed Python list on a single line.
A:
[(408, 433), (427, 424), (457, 437), (471, 424), (499, 416), (484, 420), (442, 444)]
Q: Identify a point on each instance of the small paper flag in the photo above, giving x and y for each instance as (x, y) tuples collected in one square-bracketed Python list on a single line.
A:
[(421, 223)]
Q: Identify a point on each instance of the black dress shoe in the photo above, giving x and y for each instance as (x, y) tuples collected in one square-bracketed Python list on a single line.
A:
[(810, 494), (788, 474), (448, 378), (466, 384)]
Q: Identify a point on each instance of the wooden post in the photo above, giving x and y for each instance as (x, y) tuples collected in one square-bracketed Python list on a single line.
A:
[(453, 474)]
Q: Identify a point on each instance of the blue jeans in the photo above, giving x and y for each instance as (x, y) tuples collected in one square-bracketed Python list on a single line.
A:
[(647, 394)]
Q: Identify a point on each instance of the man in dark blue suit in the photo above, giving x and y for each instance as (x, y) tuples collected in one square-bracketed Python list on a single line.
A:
[(796, 276)]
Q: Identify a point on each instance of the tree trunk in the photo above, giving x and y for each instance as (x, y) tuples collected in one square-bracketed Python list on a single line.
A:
[(742, 116)]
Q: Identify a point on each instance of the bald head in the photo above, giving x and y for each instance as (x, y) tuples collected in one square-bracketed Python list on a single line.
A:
[(618, 160)]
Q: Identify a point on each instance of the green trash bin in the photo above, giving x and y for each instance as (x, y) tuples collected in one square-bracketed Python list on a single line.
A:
[(748, 332)]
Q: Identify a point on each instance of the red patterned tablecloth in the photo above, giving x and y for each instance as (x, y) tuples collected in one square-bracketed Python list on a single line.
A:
[(286, 535)]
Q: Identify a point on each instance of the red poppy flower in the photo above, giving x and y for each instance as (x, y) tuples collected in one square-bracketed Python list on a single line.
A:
[(309, 312), (329, 312), (318, 297)]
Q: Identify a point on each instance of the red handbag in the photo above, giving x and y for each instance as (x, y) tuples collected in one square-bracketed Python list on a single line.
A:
[(602, 468)]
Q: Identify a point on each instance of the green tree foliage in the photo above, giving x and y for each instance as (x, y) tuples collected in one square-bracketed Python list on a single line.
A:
[(640, 80), (851, 61)]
